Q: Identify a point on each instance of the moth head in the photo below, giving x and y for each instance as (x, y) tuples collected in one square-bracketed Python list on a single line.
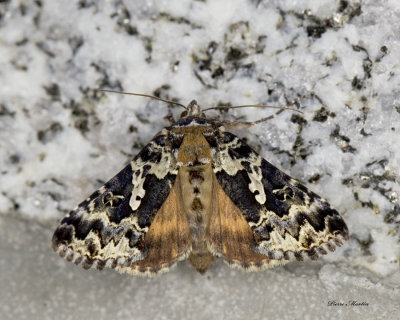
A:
[(193, 110)]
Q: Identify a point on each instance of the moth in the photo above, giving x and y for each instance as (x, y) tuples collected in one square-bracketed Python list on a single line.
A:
[(198, 192)]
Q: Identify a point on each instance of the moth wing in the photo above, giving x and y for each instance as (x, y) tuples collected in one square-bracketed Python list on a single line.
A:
[(167, 240), (113, 227), (230, 236), (287, 221)]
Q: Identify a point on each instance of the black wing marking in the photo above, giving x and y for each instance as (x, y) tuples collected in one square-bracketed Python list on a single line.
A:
[(108, 228), (289, 221)]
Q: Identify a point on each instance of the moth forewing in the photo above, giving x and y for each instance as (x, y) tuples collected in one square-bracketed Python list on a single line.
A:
[(168, 239)]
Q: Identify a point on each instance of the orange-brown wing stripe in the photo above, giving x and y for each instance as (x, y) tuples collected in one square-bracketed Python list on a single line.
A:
[(168, 239), (229, 233)]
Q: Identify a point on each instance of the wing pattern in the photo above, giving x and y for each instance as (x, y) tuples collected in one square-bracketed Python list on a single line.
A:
[(288, 221), (109, 227)]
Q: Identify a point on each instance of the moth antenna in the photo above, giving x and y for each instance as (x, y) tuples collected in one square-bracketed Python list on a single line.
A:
[(252, 106), (231, 124), (294, 101), (252, 123), (145, 95)]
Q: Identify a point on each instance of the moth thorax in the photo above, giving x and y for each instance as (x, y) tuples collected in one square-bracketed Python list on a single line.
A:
[(194, 150)]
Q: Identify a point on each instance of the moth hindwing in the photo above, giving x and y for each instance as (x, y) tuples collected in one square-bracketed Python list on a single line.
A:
[(198, 192)]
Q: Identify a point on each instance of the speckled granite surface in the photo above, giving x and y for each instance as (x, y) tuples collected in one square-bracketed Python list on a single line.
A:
[(60, 139)]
